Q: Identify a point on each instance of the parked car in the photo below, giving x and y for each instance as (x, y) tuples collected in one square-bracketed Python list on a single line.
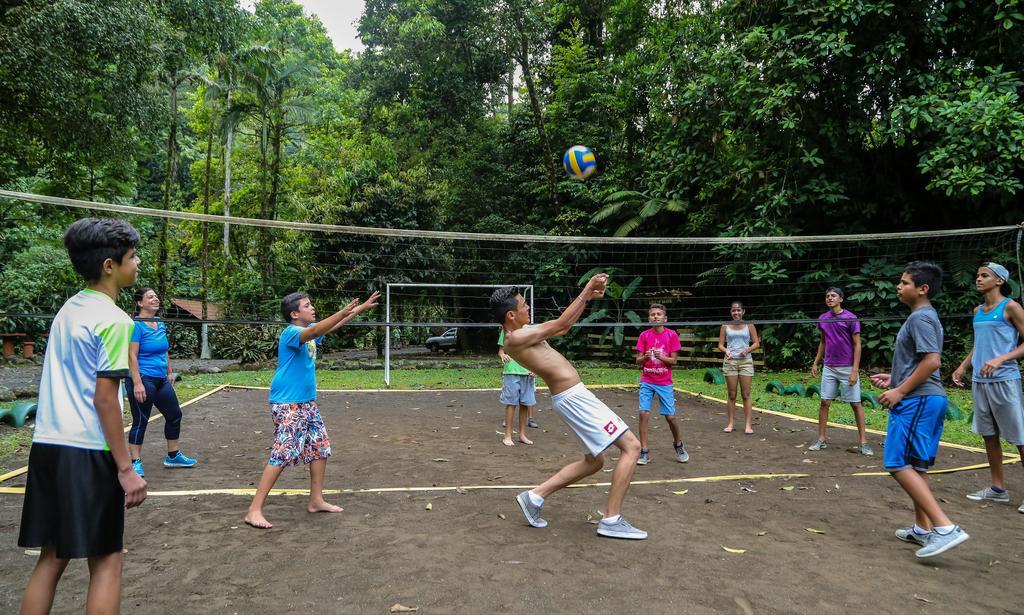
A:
[(446, 341)]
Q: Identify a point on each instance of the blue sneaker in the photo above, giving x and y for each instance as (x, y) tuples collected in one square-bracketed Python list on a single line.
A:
[(179, 461), (137, 466), (940, 543)]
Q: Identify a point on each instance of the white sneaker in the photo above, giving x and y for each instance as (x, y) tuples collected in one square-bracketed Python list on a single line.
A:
[(620, 529)]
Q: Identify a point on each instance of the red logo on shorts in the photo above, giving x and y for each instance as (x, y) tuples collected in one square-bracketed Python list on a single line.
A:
[(611, 428)]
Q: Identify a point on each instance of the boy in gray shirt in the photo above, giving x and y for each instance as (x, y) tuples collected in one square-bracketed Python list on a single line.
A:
[(917, 409)]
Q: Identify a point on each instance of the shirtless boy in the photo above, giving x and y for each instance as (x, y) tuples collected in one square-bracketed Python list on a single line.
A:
[(596, 426)]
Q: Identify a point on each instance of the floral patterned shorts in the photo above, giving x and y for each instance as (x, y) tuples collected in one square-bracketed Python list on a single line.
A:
[(299, 435)]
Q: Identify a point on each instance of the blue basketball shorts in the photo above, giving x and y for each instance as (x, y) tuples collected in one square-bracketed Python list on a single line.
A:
[(913, 433), (666, 398)]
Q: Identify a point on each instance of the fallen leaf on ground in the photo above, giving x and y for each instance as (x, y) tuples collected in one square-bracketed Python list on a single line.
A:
[(994, 562), (808, 461), (429, 506), (683, 492), (761, 533), (501, 516), (922, 599), (814, 531), (401, 608), (786, 488), (441, 460), (731, 550), (748, 490)]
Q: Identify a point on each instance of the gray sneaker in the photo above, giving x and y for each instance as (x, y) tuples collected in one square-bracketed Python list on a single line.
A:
[(681, 455), (532, 422), (907, 534), (644, 459), (866, 450), (940, 543), (990, 494), (620, 529), (818, 445), (530, 510)]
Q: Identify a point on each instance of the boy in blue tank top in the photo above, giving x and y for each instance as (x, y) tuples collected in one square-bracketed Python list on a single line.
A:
[(299, 431), (916, 403), (995, 381)]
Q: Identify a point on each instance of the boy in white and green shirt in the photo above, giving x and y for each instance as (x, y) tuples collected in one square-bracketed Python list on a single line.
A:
[(80, 476)]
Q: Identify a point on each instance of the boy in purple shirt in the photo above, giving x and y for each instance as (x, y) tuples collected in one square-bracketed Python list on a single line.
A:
[(840, 343)]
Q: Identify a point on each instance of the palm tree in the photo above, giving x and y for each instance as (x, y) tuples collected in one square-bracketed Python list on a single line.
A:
[(279, 108), (645, 205)]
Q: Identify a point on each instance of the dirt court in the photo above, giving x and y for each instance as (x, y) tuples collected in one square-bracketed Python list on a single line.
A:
[(472, 552)]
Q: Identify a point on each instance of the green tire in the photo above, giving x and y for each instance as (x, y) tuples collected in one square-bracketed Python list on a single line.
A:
[(714, 376)]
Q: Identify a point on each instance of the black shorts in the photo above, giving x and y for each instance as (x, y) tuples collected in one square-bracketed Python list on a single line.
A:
[(73, 502)]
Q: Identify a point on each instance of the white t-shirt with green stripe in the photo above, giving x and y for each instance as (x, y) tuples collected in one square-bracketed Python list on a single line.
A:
[(89, 338)]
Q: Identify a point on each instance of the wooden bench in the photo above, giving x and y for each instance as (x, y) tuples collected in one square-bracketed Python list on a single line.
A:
[(695, 349)]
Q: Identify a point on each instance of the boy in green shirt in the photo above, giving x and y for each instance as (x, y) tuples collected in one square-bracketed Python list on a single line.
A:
[(518, 388)]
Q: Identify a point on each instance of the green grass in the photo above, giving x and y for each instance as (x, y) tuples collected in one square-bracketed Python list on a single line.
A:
[(15, 442)]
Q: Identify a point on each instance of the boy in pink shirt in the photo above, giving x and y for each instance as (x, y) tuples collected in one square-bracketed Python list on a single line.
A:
[(657, 351)]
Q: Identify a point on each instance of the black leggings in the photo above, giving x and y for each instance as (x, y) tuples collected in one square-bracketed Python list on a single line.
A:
[(160, 392)]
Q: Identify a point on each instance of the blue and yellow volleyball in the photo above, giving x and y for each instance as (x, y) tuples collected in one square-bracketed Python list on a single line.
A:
[(579, 162)]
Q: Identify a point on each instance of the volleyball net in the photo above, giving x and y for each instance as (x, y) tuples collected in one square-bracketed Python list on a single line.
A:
[(240, 268)]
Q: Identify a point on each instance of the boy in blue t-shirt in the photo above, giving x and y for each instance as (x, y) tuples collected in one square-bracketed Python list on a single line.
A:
[(917, 408), (80, 476), (299, 431)]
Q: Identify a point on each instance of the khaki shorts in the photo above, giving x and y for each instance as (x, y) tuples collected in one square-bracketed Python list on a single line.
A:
[(738, 367)]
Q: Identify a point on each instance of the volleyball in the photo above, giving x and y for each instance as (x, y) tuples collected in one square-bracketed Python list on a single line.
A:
[(579, 162)]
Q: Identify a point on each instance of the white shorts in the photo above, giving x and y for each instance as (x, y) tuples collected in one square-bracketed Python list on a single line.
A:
[(594, 423), (998, 410)]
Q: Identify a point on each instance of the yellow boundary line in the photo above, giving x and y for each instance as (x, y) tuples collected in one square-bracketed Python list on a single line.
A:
[(458, 488), (217, 389), (667, 481), (797, 417)]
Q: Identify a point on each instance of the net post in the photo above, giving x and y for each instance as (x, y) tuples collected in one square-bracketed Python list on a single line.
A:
[(387, 335), (531, 304)]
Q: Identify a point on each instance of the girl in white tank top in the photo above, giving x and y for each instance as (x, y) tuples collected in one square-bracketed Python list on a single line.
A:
[(736, 341)]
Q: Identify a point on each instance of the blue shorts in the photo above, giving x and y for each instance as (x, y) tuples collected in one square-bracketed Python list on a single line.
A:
[(913, 434), (666, 398), (517, 390)]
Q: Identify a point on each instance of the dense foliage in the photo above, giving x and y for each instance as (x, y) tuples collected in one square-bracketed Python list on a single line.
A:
[(707, 117)]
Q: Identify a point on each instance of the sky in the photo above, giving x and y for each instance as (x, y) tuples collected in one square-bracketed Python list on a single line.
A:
[(339, 17)]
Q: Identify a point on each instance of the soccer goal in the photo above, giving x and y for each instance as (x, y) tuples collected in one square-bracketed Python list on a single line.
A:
[(427, 298)]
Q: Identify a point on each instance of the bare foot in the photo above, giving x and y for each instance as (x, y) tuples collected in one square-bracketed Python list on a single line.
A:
[(748, 430), (508, 441), (728, 429), (256, 519), (525, 440), (323, 506)]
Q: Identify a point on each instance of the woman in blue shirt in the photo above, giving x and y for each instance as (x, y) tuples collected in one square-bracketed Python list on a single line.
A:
[(152, 383)]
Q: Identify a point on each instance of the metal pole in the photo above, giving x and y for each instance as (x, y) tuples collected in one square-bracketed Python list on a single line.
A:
[(387, 336), (531, 303)]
